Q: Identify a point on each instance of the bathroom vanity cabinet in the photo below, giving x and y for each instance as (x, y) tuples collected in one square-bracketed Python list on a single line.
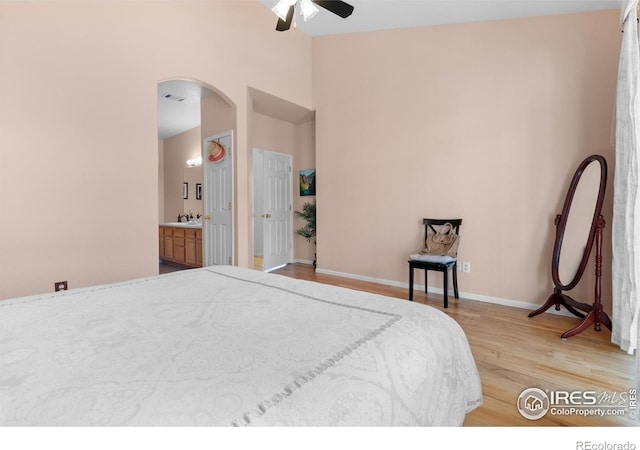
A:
[(181, 245)]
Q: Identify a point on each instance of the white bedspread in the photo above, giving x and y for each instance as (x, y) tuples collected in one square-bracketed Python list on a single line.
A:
[(225, 346)]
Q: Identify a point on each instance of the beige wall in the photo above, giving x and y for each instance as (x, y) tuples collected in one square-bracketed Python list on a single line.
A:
[(483, 121), (160, 180), (81, 110), (217, 116), (305, 158)]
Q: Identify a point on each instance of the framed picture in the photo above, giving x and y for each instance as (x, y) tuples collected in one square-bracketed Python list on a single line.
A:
[(185, 190), (198, 191), (308, 182)]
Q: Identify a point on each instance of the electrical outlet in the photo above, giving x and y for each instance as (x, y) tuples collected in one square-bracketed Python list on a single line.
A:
[(466, 267), (60, 285)]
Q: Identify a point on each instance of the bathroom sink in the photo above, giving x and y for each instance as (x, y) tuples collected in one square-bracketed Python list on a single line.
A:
[(190, 224)]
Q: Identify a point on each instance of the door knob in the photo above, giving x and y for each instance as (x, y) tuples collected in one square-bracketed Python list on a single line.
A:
[(207, 217), (266, 216)]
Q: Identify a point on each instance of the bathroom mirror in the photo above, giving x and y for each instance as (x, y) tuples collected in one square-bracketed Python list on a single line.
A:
[(193, 177), (576, 227)]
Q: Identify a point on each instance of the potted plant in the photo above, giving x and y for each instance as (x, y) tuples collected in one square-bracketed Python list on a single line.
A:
[(308, 231)]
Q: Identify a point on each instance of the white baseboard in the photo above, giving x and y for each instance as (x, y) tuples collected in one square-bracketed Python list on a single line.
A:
[(303, 261), (434, 290)]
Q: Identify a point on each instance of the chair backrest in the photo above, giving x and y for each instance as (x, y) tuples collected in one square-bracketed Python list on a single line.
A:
[(432, 223)]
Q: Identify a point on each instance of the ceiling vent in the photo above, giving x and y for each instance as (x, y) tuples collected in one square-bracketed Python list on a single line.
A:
[(175, 98)]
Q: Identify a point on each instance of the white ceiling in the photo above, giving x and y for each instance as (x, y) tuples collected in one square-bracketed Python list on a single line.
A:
[(369, 15), (174, 116)]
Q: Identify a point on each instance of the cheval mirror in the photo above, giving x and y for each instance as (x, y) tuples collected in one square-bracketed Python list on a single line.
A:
[(578, 227)]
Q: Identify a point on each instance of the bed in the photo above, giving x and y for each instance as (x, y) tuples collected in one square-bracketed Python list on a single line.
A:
[(227, 346)]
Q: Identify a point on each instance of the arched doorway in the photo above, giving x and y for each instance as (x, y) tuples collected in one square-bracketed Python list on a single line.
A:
[(189, 113)]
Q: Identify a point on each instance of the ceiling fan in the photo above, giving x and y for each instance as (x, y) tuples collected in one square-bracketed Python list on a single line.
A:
[(285, 9)]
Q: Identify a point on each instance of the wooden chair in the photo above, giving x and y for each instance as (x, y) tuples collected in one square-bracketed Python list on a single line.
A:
[(442, 264)]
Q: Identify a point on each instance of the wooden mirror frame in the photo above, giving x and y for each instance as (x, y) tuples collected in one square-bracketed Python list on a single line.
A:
[(595, 315), (563, 218)]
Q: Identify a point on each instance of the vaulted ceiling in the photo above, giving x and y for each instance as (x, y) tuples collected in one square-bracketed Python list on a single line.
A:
[(181, 110), (370, 15)]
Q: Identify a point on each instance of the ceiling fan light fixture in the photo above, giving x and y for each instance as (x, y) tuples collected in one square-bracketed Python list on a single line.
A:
[(308, 10), (285, 10), (282, 8)]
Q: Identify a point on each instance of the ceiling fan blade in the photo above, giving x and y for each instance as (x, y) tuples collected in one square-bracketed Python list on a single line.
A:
[(284, 25), (342, 9)]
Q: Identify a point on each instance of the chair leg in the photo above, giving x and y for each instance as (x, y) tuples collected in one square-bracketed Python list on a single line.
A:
[(426, 288), (455, 280), (446, 288), (410, 282)]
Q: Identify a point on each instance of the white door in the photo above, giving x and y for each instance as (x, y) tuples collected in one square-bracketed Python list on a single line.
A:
[(217, 226), (277, 215)]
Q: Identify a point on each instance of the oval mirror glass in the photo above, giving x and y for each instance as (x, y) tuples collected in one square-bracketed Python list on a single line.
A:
[(576, 228)]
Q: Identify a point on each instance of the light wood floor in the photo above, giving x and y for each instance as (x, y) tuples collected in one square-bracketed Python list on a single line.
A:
[(514, 352)]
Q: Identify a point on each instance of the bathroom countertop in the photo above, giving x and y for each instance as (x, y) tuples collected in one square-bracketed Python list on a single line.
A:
[(182, 224)]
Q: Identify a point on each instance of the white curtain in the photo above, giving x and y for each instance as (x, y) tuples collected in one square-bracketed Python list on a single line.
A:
[(626, 201)]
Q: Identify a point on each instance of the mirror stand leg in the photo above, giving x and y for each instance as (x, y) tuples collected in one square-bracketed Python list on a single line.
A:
[(590, 319), (596, 317), (551, 301), (573, 306), (558, 299)]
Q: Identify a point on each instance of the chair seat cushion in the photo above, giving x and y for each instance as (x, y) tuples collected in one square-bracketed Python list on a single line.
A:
[(438, 259)]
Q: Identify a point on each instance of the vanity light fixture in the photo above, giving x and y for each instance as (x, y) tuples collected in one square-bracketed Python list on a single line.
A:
[(194, 162)]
